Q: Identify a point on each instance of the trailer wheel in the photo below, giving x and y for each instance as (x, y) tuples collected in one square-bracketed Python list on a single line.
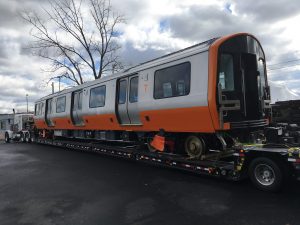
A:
[(266, 174), (27, 138), (7, 139)]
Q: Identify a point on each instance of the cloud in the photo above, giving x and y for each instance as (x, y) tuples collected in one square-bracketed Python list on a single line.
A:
[(279, 92), (268, 11), (153, 29)]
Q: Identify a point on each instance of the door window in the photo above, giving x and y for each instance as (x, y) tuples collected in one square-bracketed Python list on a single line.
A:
[(226, 73), (79, 100), (49, 106), (133, 95), (122, 91), (75, 101)]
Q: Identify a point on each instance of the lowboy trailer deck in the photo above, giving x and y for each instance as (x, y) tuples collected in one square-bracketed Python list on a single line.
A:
[(268, 166)]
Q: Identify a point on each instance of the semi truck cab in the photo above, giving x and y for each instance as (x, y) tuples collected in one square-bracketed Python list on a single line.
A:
[(20, 129)]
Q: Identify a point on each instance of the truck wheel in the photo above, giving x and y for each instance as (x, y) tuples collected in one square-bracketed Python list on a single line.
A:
[(22, 138), (7, 139), (32, 138), (27, 138), (266, 174)]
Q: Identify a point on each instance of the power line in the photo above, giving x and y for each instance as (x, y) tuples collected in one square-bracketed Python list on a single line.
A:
[(293, 60), (284, 67)]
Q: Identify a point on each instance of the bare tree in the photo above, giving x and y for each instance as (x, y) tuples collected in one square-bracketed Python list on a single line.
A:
[(77, 41)]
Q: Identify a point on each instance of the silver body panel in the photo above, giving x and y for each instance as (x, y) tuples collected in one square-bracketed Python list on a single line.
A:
[(197, 57)]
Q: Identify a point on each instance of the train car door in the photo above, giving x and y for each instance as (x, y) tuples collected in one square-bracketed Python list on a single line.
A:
[(251, 84), (77, 108), (49, 111), (127, 101)]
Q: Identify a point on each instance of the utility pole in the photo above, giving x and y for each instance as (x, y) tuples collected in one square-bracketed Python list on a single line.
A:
[(27, 101), (59, 83), (52, 87)]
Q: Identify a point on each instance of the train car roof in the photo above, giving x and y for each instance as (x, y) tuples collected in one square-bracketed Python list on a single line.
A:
[(197, 48)]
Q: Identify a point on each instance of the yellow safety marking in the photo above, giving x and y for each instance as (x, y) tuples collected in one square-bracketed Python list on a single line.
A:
[(253, 145)]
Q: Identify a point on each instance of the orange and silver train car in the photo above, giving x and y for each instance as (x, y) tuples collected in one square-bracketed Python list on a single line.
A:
[(193, 98)]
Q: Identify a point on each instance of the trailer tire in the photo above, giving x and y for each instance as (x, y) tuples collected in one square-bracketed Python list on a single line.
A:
[(266, 174), (6, 137)]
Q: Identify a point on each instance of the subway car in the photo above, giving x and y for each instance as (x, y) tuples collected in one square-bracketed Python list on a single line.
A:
[(207, 96)]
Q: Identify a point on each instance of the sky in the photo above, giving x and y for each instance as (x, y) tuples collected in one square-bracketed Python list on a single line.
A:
[(154, 28)]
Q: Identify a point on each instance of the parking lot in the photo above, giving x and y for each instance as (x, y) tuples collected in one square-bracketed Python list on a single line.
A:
[(49, 185)]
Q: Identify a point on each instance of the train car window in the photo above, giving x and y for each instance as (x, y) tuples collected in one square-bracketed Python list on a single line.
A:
[(97, 96), (40, 108), (133, 94), (172, 81), (61, 104), (35, 109), (226, 73), (122, 91)]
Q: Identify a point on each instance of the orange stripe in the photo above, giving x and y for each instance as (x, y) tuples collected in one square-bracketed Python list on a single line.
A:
[(62, 123), (193, 119), (101, 122), (40, 123)]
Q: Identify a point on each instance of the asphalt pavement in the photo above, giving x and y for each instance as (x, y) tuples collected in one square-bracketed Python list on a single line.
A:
[(47, 185)]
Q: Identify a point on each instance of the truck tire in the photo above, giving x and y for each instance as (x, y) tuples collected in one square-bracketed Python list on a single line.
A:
[(266, 174), (22, 137), (6, 137), (27, 138)]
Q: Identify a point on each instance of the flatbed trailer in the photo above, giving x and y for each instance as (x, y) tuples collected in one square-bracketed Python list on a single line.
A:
[(268, 166)]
